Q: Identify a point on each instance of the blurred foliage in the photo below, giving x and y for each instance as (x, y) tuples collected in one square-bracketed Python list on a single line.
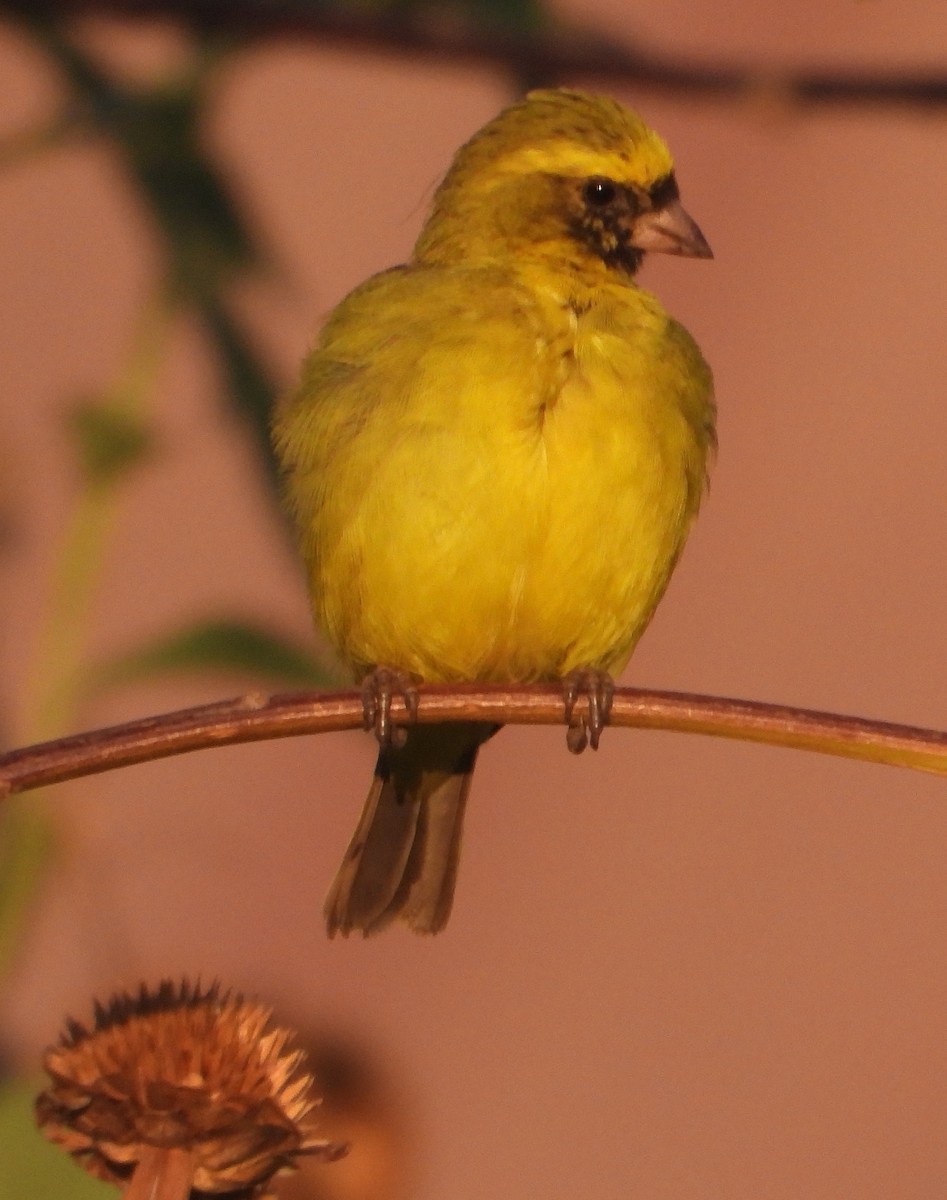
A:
[(109, 441), (216, 645), (29, 1164), (483, 15), (26, 847), (518, 15), (157, 132)]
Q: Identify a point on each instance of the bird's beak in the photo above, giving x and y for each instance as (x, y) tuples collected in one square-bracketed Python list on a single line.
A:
[(669, 230)]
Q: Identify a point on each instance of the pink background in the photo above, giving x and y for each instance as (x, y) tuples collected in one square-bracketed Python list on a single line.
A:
[(679, 968)]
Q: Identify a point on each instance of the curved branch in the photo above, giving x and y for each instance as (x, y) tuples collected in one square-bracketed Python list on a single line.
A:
[(258, 717), (555, 55)]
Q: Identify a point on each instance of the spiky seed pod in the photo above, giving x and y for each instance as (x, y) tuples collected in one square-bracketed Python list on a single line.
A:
[(182, 1069)]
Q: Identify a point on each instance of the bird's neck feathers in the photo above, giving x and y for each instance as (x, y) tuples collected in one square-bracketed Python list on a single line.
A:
[(503, 221)]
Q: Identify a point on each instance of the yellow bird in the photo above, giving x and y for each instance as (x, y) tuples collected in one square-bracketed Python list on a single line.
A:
[(494, 457)]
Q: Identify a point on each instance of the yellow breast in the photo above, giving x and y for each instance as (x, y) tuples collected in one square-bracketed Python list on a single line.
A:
[(498, 491)]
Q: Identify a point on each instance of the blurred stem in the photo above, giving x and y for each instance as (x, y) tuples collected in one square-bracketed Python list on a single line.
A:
[(76, 575), (55, 679)]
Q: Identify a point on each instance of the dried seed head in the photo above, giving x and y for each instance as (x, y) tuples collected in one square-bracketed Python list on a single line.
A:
[(182, 1069)]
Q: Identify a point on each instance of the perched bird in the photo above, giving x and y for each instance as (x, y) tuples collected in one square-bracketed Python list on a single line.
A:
[(494, 457)]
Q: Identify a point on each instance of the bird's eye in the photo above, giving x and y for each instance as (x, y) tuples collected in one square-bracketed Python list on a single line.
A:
[(599, 192)]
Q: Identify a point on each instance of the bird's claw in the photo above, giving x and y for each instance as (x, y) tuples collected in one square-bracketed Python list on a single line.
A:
[(378, 689), (585, 729)]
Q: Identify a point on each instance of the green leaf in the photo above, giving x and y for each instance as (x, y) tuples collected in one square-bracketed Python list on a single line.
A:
[(29, 1164), (109, 441), (218, 645)]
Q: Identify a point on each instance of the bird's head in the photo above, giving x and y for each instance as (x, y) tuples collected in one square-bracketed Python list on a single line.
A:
[(564, 176)]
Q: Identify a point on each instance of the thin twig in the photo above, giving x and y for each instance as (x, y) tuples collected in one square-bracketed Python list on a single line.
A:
[(556, 55), (257, 717)]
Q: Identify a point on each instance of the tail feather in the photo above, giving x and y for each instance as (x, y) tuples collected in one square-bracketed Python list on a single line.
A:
[(402, 861), (375, 861), (426, 892)]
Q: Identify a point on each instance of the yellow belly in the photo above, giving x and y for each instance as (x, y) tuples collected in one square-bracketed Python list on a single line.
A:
[(494, 478), (522, 546)]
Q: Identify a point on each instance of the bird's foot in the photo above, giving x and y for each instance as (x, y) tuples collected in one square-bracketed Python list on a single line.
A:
[(597, 687), (378, 689)]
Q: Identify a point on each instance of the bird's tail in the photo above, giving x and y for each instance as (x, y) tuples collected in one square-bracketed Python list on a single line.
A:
[(402, 861)]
